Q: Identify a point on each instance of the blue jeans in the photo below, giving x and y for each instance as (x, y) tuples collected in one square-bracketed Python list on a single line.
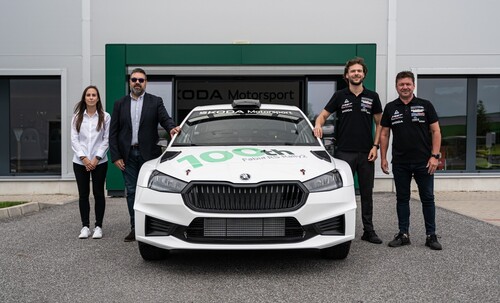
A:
[(425, 182), (130, 176)]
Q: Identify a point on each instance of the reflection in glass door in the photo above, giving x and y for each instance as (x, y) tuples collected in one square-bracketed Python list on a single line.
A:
[(35, 125), (318, 95), (488, 124)]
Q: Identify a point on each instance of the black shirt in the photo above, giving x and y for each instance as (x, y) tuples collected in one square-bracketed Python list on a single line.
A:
[(354, 128), (412, 141)]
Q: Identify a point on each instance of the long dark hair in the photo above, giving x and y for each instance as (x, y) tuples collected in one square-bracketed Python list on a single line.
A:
[(81, 106)]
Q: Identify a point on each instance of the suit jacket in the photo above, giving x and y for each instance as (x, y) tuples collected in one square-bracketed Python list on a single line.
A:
[(120, 130)]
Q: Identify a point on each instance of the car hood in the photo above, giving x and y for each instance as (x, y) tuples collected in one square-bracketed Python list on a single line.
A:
[(245, 164)]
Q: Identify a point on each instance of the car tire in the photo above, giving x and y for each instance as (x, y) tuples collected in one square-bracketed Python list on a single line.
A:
[(337, 252), (152, 253)]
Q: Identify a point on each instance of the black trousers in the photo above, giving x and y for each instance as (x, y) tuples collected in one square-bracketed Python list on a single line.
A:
[(366, 174), (83, 183)]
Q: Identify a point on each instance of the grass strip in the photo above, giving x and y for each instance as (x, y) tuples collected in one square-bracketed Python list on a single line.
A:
[(10, 203)]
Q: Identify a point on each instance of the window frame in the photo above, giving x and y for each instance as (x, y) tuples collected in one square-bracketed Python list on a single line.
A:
[(48, 72), (471, 75)]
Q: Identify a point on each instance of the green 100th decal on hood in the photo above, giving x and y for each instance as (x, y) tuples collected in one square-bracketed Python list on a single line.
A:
[(247, 154)]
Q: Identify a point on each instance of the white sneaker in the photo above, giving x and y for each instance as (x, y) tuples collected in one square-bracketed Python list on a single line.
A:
[(84, 233), (97, 233)]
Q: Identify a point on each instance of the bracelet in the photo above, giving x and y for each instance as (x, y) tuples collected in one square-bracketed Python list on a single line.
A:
[(376, 145), (82, 157)]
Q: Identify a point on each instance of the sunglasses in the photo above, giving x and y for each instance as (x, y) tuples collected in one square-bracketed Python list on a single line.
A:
[(140, 80)]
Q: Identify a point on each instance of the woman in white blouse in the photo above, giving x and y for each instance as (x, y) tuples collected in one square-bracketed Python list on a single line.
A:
[(89, 140)]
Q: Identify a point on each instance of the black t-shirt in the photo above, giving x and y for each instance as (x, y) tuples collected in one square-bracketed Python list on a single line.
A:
[(354, 128), (412, 140)]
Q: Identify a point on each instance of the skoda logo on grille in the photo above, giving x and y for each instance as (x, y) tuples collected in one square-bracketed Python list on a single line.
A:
[(245, 177)]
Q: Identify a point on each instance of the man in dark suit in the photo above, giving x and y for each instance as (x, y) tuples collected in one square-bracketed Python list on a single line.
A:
[(133, 134)]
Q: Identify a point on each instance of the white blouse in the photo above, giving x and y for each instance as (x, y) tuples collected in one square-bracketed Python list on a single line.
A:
[(90, 142)]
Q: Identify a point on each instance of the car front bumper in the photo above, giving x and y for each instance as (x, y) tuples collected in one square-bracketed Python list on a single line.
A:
[(319, 207)]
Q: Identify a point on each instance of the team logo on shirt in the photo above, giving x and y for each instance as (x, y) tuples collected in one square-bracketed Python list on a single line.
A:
[(396, 117), (346, 106), (417, 114), (366, 105)]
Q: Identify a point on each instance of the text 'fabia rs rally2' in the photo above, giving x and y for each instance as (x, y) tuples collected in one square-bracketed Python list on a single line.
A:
[(245, 176)]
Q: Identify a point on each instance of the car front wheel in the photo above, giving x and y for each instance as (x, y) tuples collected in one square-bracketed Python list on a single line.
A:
[(152, 253), (337, 252)]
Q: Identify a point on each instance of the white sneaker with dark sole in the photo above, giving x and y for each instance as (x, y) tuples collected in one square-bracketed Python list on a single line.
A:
[(84, 233)]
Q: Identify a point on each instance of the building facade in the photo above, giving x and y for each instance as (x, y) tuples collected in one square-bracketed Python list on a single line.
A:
[(201, 52)]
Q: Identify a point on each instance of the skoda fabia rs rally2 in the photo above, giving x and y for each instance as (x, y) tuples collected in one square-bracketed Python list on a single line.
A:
[(245, 176)]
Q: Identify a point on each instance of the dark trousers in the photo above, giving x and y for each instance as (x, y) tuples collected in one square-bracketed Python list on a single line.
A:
[(83, 182), (130, 176), (425, 182), (366, 173)]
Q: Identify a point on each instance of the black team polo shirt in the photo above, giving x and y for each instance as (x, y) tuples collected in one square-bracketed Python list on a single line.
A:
[(412, 140), (354, 127)]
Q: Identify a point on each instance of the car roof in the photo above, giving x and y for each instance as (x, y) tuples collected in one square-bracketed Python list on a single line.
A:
[(262, 107)]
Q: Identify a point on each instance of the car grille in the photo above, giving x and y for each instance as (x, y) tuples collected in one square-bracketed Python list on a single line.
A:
[(230, 198), (247, 230)]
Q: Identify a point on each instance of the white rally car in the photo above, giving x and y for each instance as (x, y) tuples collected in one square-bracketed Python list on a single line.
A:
[(245, 176)]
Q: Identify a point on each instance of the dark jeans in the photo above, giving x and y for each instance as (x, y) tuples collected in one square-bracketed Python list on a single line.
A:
[(425, 182), (130, 175), (83, 183), (366, 171)]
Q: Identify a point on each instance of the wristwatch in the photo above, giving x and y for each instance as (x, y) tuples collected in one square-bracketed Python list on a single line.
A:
[(377, 146), (98, 158), (437, 156)]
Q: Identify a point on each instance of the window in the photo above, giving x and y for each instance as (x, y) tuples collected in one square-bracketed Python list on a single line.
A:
[(488, 124), (246, 127), (33, 125), (469, 114), (319, 91)]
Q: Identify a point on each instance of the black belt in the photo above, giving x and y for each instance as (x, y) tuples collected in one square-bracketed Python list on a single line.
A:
[(135, 146)]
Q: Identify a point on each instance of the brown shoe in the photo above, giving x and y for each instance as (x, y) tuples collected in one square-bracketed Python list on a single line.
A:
[(130, 237)]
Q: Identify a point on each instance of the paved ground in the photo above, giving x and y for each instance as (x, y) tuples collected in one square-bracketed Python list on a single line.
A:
[(484, 206), (42, 260)]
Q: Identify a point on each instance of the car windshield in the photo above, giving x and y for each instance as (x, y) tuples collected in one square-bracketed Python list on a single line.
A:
[(246, 127)]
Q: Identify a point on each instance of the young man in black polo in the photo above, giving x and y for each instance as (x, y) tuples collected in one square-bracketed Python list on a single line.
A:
[(356, 108), (415, 153)]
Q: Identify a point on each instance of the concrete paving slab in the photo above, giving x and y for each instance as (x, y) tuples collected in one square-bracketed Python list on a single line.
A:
[(4, 213), (481, 205), (32, 203), (30, 207), (15, 211)]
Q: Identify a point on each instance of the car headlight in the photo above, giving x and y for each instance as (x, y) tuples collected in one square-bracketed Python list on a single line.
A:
[(161, 182), (329, 181)]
